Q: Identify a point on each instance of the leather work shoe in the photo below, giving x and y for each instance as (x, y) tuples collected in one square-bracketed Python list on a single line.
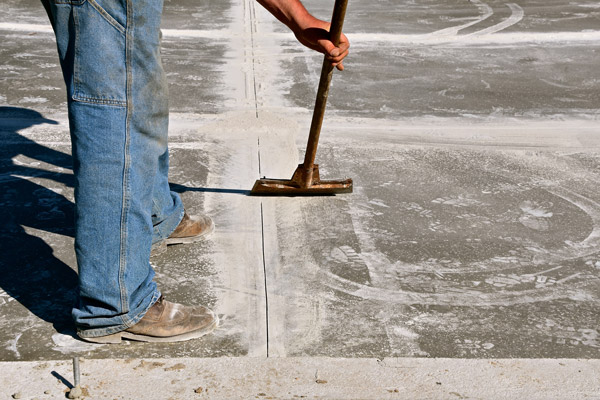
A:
[(166, 322), (190, 229)]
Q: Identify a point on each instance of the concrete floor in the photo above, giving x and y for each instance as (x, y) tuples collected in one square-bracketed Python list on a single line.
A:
[(470, 129)]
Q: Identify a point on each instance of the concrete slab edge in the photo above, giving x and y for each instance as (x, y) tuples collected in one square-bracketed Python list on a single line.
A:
[(323, 378)]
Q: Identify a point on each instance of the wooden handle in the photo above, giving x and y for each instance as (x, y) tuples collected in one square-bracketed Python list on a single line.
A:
[(337, 21)]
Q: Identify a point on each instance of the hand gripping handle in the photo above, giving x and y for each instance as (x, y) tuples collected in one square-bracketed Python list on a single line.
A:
[(337, 22)]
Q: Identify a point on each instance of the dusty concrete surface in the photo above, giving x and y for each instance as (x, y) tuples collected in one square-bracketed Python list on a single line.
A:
[(470, 129), (309, 378)]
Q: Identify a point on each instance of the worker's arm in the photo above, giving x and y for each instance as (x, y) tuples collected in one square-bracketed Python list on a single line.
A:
[(310, 31)]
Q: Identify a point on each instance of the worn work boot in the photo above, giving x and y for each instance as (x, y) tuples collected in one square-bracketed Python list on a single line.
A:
[(190, 229), (166, 322)]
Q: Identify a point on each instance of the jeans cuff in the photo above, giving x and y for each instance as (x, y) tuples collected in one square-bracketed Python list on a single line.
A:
[(167, 226), (127, 322)]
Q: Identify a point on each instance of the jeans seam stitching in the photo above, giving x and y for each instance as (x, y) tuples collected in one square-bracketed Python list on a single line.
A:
[(76, 55), (95, 100), (107, 16), (125, 187), (70, 2)]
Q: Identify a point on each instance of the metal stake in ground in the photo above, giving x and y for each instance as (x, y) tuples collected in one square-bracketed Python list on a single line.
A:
[(76, 392), (306, 180)]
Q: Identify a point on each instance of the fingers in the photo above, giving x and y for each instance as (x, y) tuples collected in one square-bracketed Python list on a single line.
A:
[(337, 62), (335, 54), (327, 47), (317, 38)]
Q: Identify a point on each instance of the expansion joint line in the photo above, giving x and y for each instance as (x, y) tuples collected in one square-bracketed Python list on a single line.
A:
[(253, 23), (262, 223)]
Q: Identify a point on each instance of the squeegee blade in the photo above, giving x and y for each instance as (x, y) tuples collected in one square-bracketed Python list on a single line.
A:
[(288, 187)]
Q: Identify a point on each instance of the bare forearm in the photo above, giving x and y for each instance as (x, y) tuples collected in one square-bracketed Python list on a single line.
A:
[(310, 31), (290, 12)]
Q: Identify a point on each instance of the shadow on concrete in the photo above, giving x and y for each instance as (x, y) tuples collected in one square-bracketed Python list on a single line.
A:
[(62, 379), (29, 270), (177, 188), (33, 207)]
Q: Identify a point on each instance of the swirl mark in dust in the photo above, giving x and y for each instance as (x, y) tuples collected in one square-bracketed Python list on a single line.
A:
[(591, 244), (544, 276), (536, 216)]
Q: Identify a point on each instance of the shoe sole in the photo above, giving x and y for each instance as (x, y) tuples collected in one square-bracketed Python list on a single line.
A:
[(161, 247), (118, 337)]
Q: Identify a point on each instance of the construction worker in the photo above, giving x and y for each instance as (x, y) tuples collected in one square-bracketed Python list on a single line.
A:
[(117, 101)]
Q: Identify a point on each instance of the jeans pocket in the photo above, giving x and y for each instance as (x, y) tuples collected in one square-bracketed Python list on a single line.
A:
[(100, 60)]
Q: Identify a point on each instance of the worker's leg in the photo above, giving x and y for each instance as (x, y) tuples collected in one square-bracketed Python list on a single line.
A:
[(109, 50)]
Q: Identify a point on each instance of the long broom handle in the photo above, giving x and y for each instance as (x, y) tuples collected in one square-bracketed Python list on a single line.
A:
[(337, 21)]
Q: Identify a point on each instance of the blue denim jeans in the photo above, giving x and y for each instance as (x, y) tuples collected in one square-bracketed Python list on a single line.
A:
[(118, 116)]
